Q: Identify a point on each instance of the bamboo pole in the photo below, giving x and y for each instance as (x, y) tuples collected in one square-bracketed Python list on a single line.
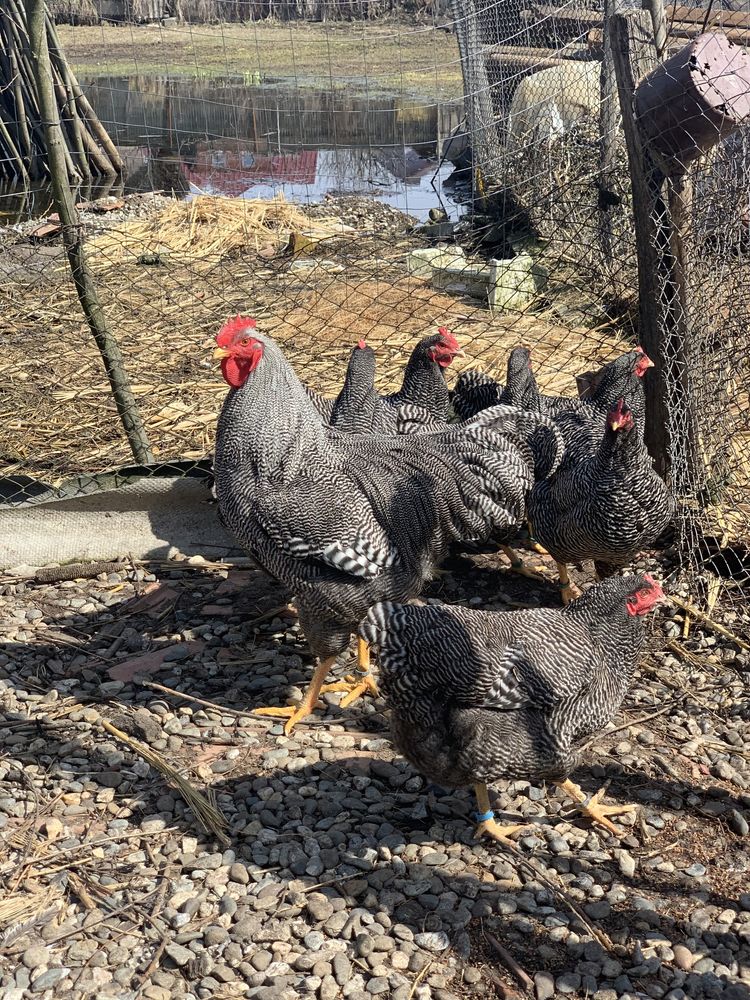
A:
[(72, 237)]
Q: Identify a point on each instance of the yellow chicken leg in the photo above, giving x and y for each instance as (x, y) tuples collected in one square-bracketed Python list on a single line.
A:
[(534, 544), (365, 684), (517, 565), (307, 706), (592, 807), (566, 587), (486, 816)]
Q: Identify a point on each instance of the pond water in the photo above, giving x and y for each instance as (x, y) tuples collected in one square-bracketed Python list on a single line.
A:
[(239, 138)]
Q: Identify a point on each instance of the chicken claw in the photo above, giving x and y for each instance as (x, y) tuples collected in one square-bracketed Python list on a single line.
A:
[(308, 703), (592, 807), (363, 683), (487, 825), (517, 565)]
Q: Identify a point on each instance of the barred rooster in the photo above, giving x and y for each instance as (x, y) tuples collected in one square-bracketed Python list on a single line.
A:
[(347, 520), (605, 504), (476, 696)]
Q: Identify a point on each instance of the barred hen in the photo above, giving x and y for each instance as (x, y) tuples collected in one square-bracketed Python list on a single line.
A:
[(475, 391), (605, 504), (347, 520), (423, 384), (476, 695), (358, 409)]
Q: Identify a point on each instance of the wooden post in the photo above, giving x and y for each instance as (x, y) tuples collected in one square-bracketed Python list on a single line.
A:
[(660, 223), (609, 133), (659, 25), (634, 56), (71, 229)]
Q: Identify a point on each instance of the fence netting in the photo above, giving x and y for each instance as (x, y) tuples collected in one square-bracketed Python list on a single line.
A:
[(355, 180)]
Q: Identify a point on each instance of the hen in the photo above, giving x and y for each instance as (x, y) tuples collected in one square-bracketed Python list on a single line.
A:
[(476, 695), (358, 409), (423, 385), (605, 503), (347, 520)]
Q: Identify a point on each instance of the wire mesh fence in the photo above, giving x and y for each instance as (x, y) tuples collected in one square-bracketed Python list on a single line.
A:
[(461, 165)]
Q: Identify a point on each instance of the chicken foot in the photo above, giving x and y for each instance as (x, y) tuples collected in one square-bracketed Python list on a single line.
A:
[(517, 565), (307, 705), (362, 685), (592, 807), (568, 591), (533, 543), (486, 816)]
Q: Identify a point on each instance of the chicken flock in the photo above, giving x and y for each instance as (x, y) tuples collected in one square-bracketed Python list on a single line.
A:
[(354, 503)]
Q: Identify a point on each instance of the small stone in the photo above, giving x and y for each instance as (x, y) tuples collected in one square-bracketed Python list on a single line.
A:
[(432, 940), (626, 863), (342, 968), (179, 955), (214, 935), (314, 941), (319, 907), (377, 985), (544, 986), (435, 858), (737, 823), (35, 956), (238, 873), (696, 870), (261, 960), (48, 979), (568, 982)]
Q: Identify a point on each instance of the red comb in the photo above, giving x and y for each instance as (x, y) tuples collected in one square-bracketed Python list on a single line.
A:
[(362, 345), (232, 327), (448, 339)]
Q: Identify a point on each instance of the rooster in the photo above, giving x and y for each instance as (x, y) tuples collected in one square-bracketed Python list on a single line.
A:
[(476, 695), (347, 520), (605, 504)]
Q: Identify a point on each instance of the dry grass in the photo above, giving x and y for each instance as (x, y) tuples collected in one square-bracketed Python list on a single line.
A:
[(57, 416), (408, 60)]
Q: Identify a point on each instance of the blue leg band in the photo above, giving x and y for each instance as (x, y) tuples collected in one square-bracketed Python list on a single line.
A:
[(484, 817)]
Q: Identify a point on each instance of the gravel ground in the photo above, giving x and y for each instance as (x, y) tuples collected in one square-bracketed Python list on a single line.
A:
[(342, 874)]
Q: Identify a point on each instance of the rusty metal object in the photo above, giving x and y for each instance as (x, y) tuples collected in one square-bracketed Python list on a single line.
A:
[(694, 99)]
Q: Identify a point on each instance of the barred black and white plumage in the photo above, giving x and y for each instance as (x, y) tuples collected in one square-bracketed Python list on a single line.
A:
[(473, 392), (420, 404), (605, 502), (346, 520), (477, 695)]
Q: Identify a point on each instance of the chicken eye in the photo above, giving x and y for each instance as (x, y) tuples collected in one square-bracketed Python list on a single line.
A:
[(245, 341)]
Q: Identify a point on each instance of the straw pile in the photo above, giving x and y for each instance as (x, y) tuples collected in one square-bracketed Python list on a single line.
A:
[(214, 227)]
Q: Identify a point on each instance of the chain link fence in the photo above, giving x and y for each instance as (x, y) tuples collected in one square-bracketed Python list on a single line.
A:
[(460, 165)]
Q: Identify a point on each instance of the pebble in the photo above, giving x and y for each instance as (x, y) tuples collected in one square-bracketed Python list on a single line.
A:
[(406, 888), (432, 940), (544, 986)]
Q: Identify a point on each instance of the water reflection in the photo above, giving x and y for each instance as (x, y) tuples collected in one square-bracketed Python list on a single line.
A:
[(239, 139)]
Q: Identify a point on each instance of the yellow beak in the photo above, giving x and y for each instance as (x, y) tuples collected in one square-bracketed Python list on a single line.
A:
[(220, 352)]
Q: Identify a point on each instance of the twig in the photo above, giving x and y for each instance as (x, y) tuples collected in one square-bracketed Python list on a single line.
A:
[(207, 814), (507, 959), (418, 979), (661, 850), (701, 616), (631, 722), (151, 967), (560, 892), (95, 923), (81, 891), (197, 701), (75, 571)]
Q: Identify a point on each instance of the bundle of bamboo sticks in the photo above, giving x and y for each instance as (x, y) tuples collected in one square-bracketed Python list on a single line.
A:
[(89, 151)]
